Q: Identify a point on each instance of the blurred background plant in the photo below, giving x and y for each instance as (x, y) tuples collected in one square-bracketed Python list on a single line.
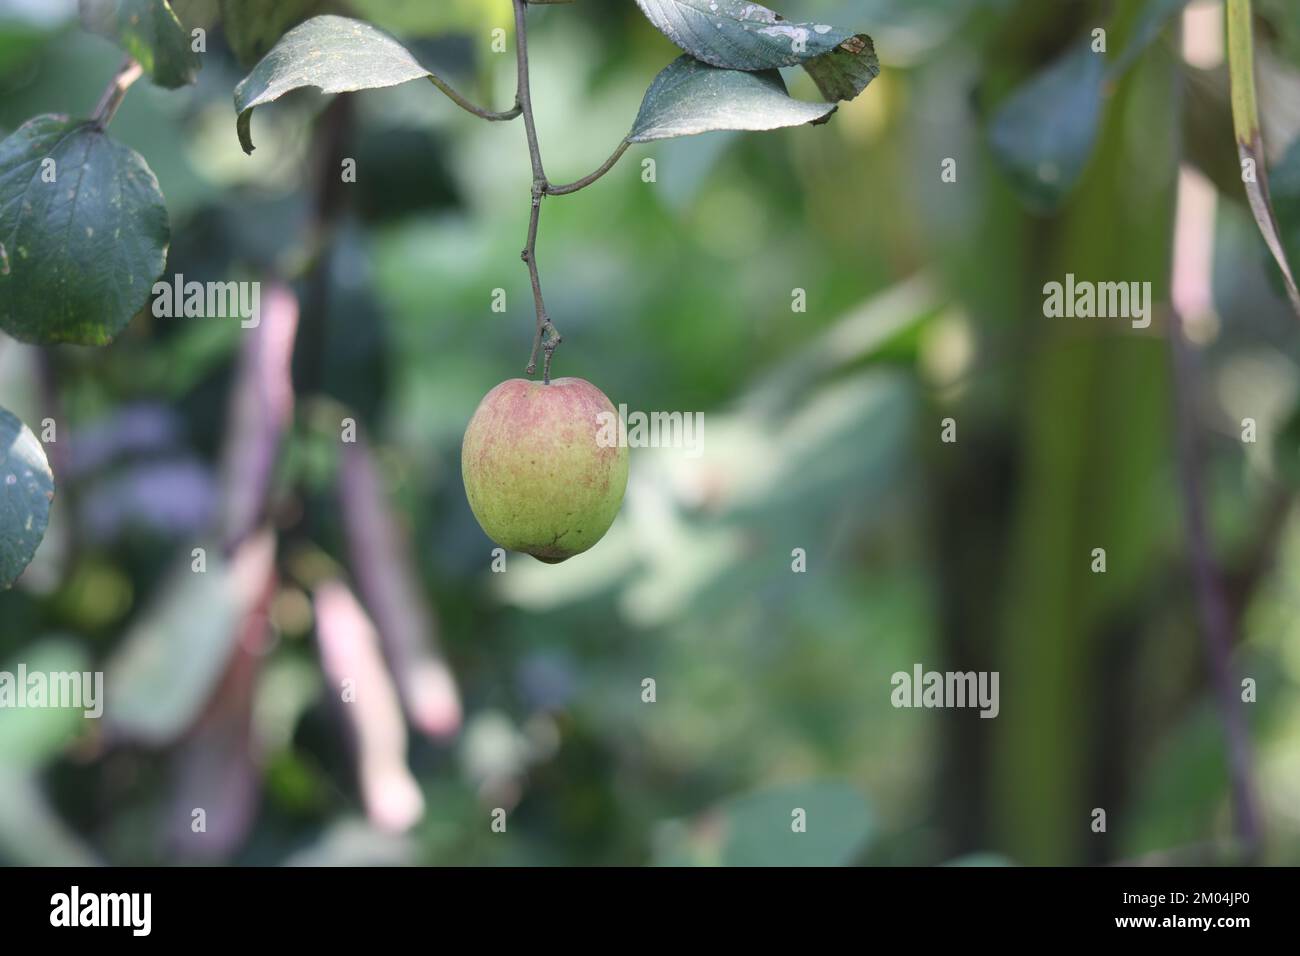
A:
[(524, 690)]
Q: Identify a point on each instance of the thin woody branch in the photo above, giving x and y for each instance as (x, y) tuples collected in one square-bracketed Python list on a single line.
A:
[(1217, 624), (546, 337)]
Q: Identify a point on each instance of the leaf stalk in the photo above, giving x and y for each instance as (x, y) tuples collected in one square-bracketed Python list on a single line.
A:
[(115, 92)]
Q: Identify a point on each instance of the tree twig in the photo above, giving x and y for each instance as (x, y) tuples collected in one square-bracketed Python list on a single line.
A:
[(1217, 622), (547, 336), (115, 92)]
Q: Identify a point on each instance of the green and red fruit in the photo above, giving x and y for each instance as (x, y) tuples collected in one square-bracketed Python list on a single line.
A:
[(541, 474)]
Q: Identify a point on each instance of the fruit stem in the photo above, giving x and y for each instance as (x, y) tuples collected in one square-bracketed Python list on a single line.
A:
[(546, 337)]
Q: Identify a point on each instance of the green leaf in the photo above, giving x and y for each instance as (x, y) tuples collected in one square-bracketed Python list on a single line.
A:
[(253, 26), (333, 54), (31, 831), (31, 737), (845, 72), (26, 490), (1152, 19), (1281, 16), (737, 35), (1284, 186), (1286, 450), (173, 657), (980, 860), (1044, 134), (1250, 142), (760, 829), (690, 97), (82, 238), (21, 42), (150, 32)]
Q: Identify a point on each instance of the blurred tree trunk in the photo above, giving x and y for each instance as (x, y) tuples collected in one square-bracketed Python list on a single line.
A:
[(1096, 454), (1091, 469)]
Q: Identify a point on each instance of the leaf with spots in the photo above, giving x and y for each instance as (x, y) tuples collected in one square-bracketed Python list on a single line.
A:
[(737, 35), (26, 490), (335, 55), (691, 97), (150, 32), (84, 230)]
